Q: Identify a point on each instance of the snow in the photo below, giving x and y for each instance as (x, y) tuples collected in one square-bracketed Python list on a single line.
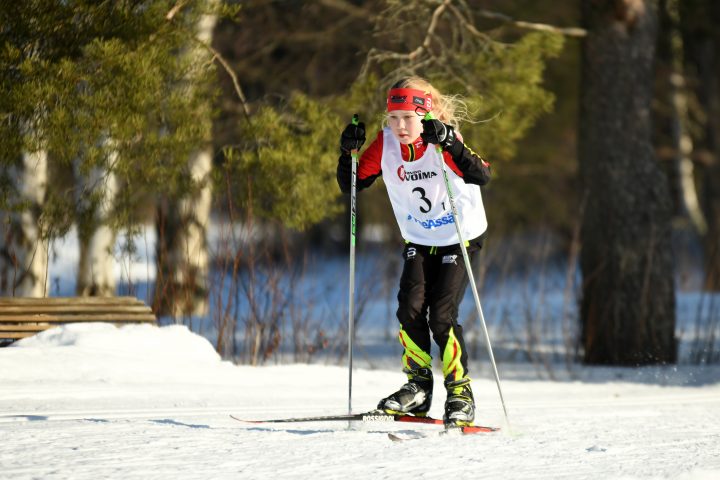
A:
[(95, 401)]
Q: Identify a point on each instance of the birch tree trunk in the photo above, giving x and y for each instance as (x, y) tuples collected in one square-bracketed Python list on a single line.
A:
[(701, 48), (683, 146), (182, 254), (682, 141), (23, 243), (628, 298), (181, 286), (96, 270)]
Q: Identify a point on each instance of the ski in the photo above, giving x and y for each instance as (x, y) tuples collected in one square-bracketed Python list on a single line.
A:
[(380, 416), (453, 431), (371, 416)]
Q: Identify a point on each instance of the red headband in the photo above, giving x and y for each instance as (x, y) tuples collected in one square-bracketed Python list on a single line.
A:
[(408, 99)]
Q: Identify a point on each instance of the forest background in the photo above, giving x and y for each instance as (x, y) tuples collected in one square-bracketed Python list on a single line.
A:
[(216, 125)]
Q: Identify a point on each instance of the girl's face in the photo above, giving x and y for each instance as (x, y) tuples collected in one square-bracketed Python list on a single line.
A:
[(405, 125)]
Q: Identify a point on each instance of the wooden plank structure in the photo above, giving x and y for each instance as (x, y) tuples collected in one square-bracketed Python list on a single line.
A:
[(24, 317)]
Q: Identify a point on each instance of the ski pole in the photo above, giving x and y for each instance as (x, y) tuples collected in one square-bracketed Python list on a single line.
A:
[(351, 300), (468, 267)]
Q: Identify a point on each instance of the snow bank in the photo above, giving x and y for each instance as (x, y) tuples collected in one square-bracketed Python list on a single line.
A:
[(105, 353), (173, 342)]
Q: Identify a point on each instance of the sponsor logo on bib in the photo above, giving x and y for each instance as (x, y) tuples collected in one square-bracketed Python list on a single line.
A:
[(413, 175), (433, 222)]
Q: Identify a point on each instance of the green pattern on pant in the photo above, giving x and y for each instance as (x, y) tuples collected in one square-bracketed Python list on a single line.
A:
[(452, 366), (414, 357)]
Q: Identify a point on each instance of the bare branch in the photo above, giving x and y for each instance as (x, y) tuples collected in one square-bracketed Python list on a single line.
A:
[(431, 28), (432, 50), (236, 82), (174, 10), (467, 25), (375, 55), (216, 55), (543, 27)]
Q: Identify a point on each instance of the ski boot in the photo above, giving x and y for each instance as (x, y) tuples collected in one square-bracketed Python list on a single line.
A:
[(459, 405), (415, 397)]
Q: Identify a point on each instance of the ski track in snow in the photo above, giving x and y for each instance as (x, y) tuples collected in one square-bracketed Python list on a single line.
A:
[(117, 410)]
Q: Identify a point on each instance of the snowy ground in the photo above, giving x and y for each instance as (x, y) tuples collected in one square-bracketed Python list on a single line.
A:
[(93, 401)]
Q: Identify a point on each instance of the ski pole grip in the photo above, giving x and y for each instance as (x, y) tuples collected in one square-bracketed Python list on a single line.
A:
[(429, 116), (355, 121)]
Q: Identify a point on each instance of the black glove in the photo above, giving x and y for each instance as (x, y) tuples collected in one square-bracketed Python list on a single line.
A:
[(352, 138), (437, 133)]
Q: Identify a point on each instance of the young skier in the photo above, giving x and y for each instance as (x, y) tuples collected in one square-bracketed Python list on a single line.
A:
[(433, 279)]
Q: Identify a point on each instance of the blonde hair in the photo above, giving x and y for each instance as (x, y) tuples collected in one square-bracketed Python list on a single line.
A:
[(450, 109)]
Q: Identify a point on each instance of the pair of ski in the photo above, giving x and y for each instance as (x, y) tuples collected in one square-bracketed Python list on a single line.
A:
[(378, 416)]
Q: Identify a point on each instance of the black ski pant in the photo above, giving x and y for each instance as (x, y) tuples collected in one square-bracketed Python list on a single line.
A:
[(432, 285)]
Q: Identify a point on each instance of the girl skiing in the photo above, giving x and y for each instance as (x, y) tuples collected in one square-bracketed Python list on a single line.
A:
[(433, 279)]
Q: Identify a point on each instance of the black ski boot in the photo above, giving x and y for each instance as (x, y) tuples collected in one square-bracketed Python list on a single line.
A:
[(415, 397), (460, 404)]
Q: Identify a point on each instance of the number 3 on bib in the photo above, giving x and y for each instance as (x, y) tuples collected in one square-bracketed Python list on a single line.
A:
[(427, 202)]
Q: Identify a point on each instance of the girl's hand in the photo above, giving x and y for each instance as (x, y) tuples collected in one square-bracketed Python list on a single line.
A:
[(352, 138), (437, 133)]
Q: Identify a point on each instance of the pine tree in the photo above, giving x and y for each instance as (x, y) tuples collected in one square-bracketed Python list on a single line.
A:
[(76, 73)]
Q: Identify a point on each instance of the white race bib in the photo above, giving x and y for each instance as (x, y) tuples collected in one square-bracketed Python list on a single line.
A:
[(420, 201)]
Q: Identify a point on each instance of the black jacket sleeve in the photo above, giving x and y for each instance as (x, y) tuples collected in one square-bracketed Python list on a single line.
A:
[(475, 170), (344, 172)]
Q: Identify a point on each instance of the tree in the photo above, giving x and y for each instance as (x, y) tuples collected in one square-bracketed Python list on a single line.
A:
[(628, 297), (698, 22), (96, 193), (97, 85), (319, 48), (183, 218), (23, 242), (672, 125)]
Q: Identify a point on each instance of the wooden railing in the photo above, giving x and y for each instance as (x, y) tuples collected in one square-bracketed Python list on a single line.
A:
[(23, 317)]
